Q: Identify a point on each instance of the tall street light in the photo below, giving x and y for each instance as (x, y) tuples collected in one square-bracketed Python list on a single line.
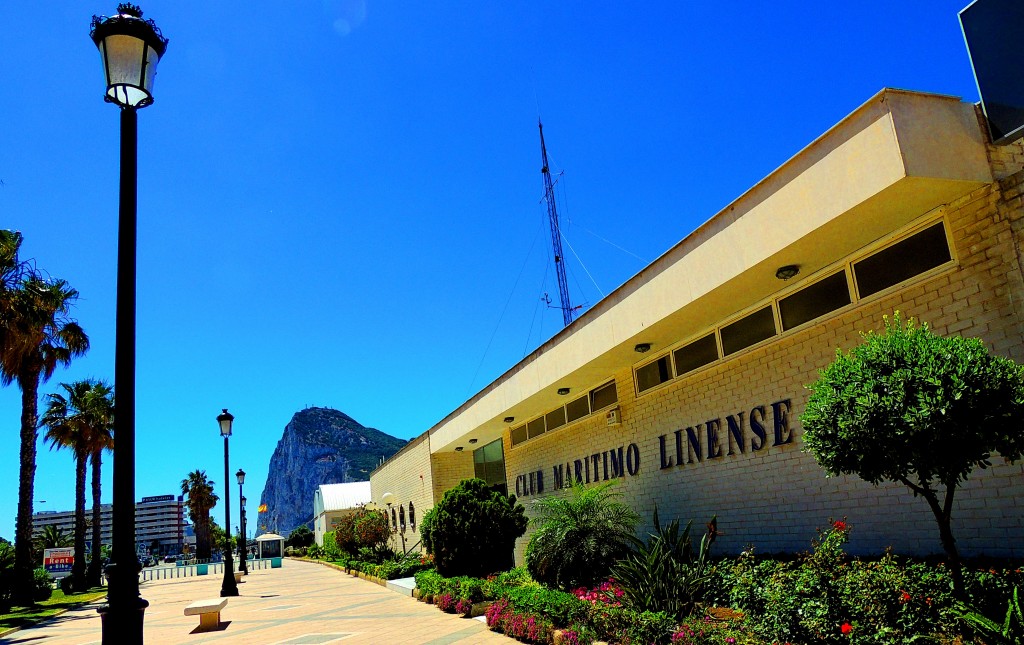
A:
[(228, 587), (241, 523), (130, 48)]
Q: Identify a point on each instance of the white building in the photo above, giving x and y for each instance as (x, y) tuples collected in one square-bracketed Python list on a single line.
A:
[(331, 502)]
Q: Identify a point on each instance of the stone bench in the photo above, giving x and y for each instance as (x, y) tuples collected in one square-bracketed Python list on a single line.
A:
[(208, 612)]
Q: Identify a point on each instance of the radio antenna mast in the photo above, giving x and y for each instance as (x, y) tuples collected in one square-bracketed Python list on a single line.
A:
[(556, 234)]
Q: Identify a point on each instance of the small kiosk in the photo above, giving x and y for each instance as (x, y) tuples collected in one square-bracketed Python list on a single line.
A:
[(271, 545)]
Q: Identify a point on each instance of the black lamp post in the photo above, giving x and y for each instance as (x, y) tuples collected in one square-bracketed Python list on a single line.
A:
[(245, 541), (130, 48), (241, 523), (228, 587)]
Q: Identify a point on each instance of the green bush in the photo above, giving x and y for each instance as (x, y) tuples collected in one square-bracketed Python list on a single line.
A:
[(426, 526), (666, 574), (579, 536), (561, 607), (429, 582), (474, 529), (624, 625), (42, 585), (6, 572), (315, 551), (331, 550)]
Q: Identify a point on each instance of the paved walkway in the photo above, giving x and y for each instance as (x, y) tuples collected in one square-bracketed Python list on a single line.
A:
[(301, 603)]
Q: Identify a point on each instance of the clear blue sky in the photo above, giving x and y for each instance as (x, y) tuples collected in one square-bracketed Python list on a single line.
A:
[(340, 201)]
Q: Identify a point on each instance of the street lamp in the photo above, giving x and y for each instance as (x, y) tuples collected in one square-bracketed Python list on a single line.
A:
[(228, 587), (241, 523), (245, 539), (130, 48)]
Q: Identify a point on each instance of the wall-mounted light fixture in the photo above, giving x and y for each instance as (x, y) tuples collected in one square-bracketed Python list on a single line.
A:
[(562, 391), (642, 348), (787, 272)]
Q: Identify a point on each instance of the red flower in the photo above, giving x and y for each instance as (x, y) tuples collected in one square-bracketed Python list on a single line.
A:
[(904, 597), (846, 628), (839, 525)]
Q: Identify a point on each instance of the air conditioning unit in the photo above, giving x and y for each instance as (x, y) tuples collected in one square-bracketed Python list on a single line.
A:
[(613, 416)]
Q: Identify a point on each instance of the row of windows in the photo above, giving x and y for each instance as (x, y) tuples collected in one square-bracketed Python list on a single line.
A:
[(910, 256), (597, 399)]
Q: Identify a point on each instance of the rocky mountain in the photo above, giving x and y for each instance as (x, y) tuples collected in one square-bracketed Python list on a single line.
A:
[(319, 446)]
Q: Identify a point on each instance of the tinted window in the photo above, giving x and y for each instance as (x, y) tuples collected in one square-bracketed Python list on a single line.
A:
[(696, 354), (815, 300), (904, 259), (747, 331), (603, 396), (577, 409), (654, 373)]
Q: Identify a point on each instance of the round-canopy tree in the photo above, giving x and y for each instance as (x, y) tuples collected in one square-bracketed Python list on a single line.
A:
[(912, 407), (473, 529)]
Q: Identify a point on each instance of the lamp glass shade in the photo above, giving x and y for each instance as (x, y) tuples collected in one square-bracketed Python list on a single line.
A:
[(130, 67), (241, 476), (388, 498), (225, 419), (130, 49), (243, 502)]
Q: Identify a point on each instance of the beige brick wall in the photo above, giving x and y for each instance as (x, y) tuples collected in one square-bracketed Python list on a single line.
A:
[(407, 476), (776, 497)]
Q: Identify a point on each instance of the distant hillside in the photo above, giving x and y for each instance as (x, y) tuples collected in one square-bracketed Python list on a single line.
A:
[(319, 446)]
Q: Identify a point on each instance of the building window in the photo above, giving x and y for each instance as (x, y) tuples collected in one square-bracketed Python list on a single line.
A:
[(412, 516), (555, 418), (749, 330), (911, 256), (535, 428), (519, 435), (394, 519), (489, 464), (653, 373), (696, 354), (814, 301), (577, 409), (603, 397), (401, 517)]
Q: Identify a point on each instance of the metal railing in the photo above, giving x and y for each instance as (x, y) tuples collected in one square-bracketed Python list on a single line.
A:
[(167, 572)]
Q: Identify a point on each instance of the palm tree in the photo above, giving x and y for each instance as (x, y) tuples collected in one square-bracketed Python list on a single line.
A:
[(36, 335), (66, 428), (100, 409), (52, 537), (198, 489), (579, 536)]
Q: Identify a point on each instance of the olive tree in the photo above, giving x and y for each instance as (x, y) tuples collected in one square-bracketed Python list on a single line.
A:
[(913, 407)]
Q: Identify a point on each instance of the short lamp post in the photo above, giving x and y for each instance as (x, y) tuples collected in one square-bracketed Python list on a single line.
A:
[(241, 524), (228, 587), (130, 49), (245, 540)]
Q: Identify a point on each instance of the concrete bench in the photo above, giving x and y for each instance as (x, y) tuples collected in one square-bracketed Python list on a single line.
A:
[(208, 612)]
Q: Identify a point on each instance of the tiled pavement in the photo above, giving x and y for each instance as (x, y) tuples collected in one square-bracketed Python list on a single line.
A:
[(299, 604)]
